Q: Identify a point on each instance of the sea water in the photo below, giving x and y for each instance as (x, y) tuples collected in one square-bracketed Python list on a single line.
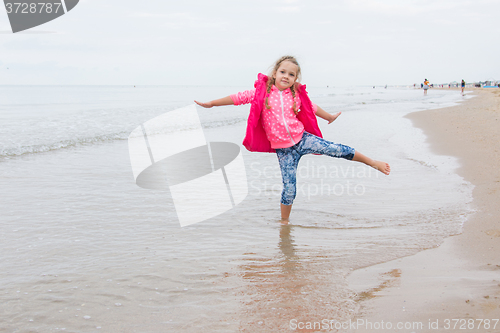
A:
[(84, 249)]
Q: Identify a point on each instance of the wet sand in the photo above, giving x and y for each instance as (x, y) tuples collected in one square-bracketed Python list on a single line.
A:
[(461, 278)]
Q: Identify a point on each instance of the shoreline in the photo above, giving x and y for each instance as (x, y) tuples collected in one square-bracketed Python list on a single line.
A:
[(461, 278)]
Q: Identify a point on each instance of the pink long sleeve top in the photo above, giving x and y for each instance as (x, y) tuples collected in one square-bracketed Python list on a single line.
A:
[(280, 123)]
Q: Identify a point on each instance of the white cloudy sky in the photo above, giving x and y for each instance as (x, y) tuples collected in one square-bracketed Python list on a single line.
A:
[(226, 42)]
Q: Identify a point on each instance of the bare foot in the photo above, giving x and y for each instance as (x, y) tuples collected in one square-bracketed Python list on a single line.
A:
[(381, 166), (334, 116), (284, 221)]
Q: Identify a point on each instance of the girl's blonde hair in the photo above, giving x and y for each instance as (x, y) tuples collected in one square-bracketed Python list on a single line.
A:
[(271, 81)]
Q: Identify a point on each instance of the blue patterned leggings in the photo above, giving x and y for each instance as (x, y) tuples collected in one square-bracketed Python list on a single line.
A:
[(289, 159)]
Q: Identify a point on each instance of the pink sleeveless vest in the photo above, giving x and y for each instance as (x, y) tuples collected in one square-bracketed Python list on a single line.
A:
[(256, 139)]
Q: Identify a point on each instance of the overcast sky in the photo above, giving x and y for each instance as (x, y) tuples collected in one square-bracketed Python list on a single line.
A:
[(227, 42)]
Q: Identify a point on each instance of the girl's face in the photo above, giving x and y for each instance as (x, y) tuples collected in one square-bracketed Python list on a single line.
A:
[(286, 75)]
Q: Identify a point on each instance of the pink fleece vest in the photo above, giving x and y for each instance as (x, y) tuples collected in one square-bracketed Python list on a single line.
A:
[(256, 138)]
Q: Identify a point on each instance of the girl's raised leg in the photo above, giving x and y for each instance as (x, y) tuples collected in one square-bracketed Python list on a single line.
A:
[(311, 144), (378, 165)]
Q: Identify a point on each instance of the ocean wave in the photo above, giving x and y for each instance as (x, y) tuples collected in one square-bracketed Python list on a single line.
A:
[(20, 149), (223, 123), (68, 143)]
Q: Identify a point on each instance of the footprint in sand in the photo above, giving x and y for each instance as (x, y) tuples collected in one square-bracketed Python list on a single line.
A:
[(493, 233)]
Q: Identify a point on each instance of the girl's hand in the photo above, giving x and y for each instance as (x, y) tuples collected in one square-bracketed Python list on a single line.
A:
[(325, 115), (216, 102), (333, 117), (207, 105)]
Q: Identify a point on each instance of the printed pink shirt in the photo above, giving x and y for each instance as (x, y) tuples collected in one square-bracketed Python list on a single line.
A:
[(282, 127)]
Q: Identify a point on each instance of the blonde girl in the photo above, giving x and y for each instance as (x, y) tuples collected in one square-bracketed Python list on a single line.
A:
[(283, 120)]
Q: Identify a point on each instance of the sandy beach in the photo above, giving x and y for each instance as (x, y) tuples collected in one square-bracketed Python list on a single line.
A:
[(85, 249), (456, 286)]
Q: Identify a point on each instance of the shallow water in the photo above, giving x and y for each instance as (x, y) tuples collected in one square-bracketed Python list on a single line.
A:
[(85, 249)]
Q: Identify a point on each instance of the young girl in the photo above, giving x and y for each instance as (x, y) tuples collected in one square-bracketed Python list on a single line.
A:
[(283, 120)]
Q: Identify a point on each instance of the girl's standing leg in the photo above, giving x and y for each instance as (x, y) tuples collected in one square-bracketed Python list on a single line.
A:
[(288, 159)]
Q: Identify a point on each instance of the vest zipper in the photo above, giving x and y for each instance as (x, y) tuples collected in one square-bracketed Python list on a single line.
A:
[(283, 115)]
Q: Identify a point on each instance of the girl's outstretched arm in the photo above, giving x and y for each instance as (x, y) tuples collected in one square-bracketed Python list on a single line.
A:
[(327, 116), (217, 102)]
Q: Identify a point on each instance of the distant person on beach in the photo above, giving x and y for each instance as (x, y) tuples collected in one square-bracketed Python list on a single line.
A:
[(283, 120), (426, 86), (463, 86)]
